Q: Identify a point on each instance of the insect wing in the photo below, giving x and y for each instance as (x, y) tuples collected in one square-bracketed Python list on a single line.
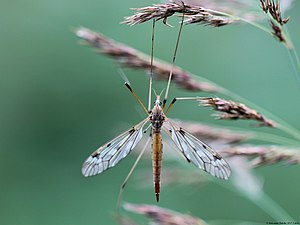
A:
[(197, 152), (111, 153)]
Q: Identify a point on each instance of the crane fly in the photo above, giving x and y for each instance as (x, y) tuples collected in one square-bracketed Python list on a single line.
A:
[(193, 150)]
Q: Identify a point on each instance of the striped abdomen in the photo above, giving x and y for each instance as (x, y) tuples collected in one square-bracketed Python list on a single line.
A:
[(156, 161)]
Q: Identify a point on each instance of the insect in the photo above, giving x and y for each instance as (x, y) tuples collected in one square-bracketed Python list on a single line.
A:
[(193, 150)]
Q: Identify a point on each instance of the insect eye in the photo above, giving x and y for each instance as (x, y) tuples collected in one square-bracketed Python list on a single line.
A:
[(160, 103)]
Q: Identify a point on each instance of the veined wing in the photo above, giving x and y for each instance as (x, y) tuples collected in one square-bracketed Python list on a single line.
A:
[(111, 153), (197, 152)]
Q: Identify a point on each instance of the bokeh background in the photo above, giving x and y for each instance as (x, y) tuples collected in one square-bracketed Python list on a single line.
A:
[(60, 101)]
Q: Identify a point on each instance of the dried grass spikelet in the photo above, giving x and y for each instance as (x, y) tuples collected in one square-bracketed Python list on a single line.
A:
[(273, 9), (132, 58), (212, 134), (269, 6), (194, 14), (264, 155), (163, 216), (277, 32), (231, 110), (208, 19)]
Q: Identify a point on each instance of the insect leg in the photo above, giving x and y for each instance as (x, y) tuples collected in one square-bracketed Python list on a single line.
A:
[(175, 99), (130, 173), (137, 98), (151, 66), (174, 57)]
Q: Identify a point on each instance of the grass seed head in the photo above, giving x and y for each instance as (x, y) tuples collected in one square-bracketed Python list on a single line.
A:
[(194, 14), (132, 58), (230, 110)]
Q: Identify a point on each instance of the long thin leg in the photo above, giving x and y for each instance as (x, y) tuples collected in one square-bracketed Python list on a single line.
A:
[(130, 173), (175, 99), (173, 61), (137, 98), (123, 75), (151, 66)]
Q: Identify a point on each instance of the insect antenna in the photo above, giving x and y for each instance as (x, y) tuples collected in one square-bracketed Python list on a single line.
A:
[(174, 57), (155, 92), (137, 98), (159, 93)]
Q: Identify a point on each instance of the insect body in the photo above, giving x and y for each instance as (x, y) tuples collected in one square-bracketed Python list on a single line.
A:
[(157, 118), (194, 150)]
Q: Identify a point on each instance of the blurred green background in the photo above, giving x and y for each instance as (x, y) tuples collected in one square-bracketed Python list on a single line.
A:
[(60, 101)]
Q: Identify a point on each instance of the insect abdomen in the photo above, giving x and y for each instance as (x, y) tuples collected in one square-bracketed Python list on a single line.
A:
[(157, 161)]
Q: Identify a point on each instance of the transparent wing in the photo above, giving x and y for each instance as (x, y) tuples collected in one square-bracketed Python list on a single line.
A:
[(197, 152), (111, 153)]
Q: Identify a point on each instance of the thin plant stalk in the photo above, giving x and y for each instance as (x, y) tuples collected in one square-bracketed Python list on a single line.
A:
[(293, 57), (237, 18), (275, 139), (281, 124), (289, 44), (295, 62)]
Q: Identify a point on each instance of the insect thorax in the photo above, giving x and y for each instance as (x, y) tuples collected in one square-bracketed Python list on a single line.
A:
[(157, 118)]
